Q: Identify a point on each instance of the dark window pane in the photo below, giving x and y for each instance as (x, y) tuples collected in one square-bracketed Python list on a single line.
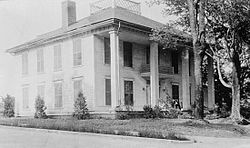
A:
[(107, 92), (106, 50), (175, 61), (175, 92), (128, 92), (148, 55), (128, 55)]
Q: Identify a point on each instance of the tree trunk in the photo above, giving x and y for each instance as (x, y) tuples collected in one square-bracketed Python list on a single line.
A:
[(198, 85), (196, 31), (235, 110)]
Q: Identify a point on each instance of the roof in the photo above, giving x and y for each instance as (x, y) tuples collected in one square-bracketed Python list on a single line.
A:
[(85, 23)]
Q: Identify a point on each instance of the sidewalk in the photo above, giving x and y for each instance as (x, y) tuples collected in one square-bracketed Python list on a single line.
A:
[(17, 137)]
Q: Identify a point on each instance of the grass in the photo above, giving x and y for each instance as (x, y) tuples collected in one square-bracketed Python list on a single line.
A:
[(162, 128)]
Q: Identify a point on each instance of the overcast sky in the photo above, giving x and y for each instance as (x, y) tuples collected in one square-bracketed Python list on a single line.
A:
[(23, 20)]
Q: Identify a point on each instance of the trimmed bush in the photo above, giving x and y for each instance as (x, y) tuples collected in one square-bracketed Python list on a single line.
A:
[(40, 108), (80, 108), (9, 106)]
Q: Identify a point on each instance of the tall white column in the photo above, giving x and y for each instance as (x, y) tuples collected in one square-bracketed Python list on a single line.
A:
[(211, 95), (115, 68), (185, 80), (154, 74)]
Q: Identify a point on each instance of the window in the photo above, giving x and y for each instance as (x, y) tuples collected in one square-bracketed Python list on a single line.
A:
[(106, 50), (57, 58), (77, 52), (148, 55), (107, 91), (175, 91), (128, 55), (58, 94), (25, 98), (175, 61), (77, 87), (25, 63), (128, 92), (40, 61), (41, 91)]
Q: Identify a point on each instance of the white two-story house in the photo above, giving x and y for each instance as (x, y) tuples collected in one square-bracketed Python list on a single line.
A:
[(109, 57)]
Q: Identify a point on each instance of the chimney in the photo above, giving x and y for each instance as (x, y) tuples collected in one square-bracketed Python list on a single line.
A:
[(68, 13)]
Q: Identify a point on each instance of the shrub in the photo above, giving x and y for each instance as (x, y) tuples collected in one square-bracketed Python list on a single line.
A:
[(173, 113), (150, 112), (40, 108), (9, 106), (245, 109), (158, 112), (80, 108), (121, 115)]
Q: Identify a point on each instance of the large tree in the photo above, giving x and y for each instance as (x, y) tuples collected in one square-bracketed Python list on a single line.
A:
[(221, 25), (191, 16), (228, 25)]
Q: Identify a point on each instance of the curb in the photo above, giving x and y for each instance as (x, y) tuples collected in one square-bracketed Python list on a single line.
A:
[(132, 135)]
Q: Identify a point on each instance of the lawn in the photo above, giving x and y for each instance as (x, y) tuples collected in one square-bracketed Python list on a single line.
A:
[(175, 129)]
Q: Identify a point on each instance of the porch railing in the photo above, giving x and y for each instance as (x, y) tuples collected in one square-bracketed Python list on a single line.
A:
[(162, 69), (126, 4)]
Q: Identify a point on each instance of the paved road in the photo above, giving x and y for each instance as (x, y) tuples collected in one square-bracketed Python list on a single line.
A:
[(12, 137)]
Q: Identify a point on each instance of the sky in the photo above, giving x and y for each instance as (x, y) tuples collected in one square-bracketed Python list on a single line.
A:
[(23, 20)]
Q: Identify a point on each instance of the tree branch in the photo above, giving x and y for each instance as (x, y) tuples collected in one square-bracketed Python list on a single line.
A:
[(218, 69)]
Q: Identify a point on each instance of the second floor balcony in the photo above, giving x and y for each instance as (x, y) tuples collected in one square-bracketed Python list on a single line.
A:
[(163, 69)]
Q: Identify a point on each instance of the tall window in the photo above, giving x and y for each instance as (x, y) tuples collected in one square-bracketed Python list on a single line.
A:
[(174, 56), (128, 92), (40, 61), (41, 91), (25, 63), (77, 87), (107, 92), (25, 98), (77, 52), (58, 94), (57, 58), (175, 91), (148, 55), (128, 55), (106, 50)]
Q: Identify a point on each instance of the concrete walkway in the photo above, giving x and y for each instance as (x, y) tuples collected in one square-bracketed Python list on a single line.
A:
[(16, 137)]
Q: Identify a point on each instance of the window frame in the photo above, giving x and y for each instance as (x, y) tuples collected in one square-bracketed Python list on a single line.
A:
[(107, 54), (128, 56), (41, 87), (40, 60), (105, 92), (59, 105), (57, 57), (133, 100), (176, 61), (25, 63), (75, 95), (25, 97), (77, 52)]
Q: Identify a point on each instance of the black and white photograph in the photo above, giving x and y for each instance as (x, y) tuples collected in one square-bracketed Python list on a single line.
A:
[(124, 73)]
